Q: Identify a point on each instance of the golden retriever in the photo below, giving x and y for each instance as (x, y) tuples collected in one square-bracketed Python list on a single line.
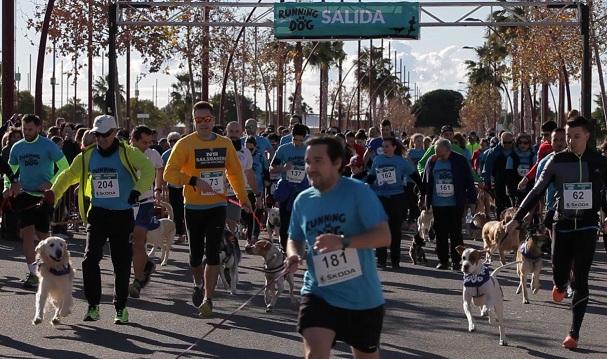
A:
[(495, 237), (56, 279)]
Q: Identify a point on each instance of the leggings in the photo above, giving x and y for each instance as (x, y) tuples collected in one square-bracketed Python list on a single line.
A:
[(205, 232), (393, 205), (574, 250)]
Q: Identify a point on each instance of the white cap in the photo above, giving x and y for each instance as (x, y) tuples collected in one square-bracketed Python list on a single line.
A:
[(103, 124)]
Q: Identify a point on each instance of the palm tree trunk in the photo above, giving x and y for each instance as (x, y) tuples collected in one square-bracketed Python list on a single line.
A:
[(324, 93), (237, 100), (544, 100), (298, 65), (516, 121), (561, 110), (40, 61)]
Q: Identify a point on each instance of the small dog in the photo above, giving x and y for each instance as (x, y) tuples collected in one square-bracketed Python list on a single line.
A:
[(56, 279), (229, 259), (416, 251), (496, 238), (274, 259), (476, 225), (425, 222), (530, 255), (482, 289), (162, 237), (273, 223), (484, 202)]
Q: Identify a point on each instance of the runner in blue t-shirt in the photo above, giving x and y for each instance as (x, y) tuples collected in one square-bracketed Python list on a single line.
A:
[(263, 145), (33, 158), (340, 221)]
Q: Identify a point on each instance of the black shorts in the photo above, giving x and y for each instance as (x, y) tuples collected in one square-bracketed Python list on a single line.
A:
[(204, 228), (358, 328), (31, 212)]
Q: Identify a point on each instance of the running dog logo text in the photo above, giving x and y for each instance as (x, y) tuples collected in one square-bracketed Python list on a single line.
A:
[(300, 18)]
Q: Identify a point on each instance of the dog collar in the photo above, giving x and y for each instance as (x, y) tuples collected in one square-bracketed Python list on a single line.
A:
[(67, 269), (477, 280), (523, 249), (277, 268)]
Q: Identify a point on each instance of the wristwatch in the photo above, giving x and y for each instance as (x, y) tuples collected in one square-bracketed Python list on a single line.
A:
[(345, 241)]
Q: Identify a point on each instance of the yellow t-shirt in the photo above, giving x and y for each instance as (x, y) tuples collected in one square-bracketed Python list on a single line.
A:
[(212, 160)]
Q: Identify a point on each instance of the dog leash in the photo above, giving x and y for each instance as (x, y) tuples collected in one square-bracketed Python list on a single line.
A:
[(282, 274), (237, 203)]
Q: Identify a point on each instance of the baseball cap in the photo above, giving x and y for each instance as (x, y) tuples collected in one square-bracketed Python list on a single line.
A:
[(446, 128), (355, 160), (103, 124)]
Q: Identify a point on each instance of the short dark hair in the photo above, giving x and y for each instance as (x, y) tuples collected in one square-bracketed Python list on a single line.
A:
[(251, 139), (203, 105), (29, 118), (558, 129), (386, 123), (335, 150), (350, 134), (579, 121), (299, 130), (273, 137), (548, 126), (296, 117), (360, 135), (140, 130)]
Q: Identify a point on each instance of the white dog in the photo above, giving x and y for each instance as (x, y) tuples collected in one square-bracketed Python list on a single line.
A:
[(56, 279), (162, 237), (482, 288), (425, 221), (273, 223), (274, 259)]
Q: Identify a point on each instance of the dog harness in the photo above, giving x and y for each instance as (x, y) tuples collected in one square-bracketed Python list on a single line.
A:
[(278, 268), (523, 249), (67, 269), (477, 280)]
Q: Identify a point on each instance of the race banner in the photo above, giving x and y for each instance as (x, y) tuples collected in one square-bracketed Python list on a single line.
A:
[(314, 21)]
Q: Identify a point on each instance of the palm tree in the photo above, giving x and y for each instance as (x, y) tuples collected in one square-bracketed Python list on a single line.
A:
[(100, 88), (377, 80), (325, 55)]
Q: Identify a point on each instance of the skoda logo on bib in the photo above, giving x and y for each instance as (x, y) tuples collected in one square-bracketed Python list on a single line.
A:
[(337, 266), (296, 174), (105, 185), (214, 179), (386, 175), (577, 195)]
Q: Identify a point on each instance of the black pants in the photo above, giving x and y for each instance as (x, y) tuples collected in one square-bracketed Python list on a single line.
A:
[(117, 226), (285, 218), (205, 231), (393, 206), (176, 201), (412, 199), (574, 250), (249, 221), (448, 225), (502, 201)]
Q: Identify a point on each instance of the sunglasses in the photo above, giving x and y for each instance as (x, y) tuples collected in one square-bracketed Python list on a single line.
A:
[(104, 135), (206, 119)]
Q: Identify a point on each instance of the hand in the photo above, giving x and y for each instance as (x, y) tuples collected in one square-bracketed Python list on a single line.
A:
[(421, 204), (511, 226), (45, 186), (258, 202), (203, 187), (48, 197), (327, 242), (523, 183), (287, 167), (247, 207), (292, 263), (15, 189), (6, 193), (133, 197), (157, 196)]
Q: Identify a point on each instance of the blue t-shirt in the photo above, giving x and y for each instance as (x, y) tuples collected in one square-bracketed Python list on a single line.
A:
[(526, 160), (416, 154), (165, 156), (350, 208), (376, 145), (289, 153), (111, 182), (550, 191), (391, 174), (259, 165), (286, 139), (263, 145), (36, 161), (443, 194)]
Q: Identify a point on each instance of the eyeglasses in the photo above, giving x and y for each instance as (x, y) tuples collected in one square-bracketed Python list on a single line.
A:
[(104, 135), (206, 119)]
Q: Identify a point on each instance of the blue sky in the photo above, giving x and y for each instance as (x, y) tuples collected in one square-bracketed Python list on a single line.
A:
[(435, 61)]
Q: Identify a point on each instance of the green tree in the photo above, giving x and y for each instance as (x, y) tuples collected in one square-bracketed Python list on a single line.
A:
[(437, 108), (75, 113), (158, 119), (230, 106), (24, 102)]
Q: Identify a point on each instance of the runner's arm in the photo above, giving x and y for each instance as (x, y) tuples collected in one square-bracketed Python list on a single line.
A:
[(537, 192), (62, 165), (234, 174), (251, 180), (172, 170), (145, 168), (9, 180), (70, 176)]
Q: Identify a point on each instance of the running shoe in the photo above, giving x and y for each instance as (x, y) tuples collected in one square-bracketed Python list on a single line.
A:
[(30, 281), (557, 294), (570, 342), (122, 316), (197, 297), (92, 314), (206, 308), (135, 289), (442, 265)]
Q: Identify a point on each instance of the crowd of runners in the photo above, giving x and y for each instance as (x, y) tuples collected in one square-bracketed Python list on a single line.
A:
[(344, 198)]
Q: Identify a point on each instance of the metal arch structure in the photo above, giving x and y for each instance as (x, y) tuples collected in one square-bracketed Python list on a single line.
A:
[(173, 10)]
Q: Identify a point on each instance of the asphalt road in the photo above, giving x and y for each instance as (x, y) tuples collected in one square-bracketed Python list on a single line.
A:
[(424, 317)]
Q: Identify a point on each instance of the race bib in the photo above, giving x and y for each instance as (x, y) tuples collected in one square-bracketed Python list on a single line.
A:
[(296, 174), (214, 179), (522, 170), (386, 175), (337, 266), (444, 189), (105, 185), (577, 195)]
